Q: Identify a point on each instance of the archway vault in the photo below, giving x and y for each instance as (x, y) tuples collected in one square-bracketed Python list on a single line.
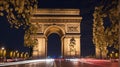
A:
[(64, 22), (54, 29)]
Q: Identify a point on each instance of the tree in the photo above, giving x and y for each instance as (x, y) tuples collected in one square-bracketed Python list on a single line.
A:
[(18, 13), (112, 32), (98, 31), (109, 36)]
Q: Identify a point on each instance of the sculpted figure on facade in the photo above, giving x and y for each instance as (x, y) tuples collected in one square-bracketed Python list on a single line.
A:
[(72, 44)]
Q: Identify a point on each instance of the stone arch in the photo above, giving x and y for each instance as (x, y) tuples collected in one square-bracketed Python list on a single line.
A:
[(54, 29), (64, 22)]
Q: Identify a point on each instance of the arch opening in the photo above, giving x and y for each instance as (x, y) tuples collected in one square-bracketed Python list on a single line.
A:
[(54, 46)]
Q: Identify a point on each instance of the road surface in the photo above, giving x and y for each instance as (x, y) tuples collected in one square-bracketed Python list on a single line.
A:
[(62, 63)]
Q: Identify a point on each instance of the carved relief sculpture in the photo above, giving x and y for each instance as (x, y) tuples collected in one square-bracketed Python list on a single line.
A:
[(72, 45), (73, 28)]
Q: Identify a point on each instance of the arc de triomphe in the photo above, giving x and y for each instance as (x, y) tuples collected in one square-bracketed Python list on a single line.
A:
[(64, 22)]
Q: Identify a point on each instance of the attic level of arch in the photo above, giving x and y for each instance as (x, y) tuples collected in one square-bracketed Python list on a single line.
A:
[(56, 15)]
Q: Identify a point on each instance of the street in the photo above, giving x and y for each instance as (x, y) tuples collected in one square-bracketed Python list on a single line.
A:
[(62, 63)]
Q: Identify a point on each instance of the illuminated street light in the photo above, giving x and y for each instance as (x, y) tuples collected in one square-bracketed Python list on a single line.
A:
[(116, 55), (16, 51), (26, 55), (18, 54), (3, 53), (21, 55), (14, 54), (11, 54), (112, 55), (2, 48), (113, 52)]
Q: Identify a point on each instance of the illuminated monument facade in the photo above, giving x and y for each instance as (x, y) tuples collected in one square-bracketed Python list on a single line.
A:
[(64, 22)]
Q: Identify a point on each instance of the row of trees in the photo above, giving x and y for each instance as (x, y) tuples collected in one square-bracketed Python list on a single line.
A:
[(18, 13), (104, 36)]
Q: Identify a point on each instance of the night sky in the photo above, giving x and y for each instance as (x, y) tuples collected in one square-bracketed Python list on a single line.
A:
[(13, 38)]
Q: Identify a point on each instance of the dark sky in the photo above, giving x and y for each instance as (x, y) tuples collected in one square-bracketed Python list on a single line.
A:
[(67, 3), (13, 38)]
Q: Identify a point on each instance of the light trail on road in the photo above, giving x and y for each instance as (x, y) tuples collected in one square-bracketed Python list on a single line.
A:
[(27, 61), (77, 62)]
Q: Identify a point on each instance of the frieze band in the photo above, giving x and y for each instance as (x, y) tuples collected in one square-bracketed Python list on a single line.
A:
[(56, 20)]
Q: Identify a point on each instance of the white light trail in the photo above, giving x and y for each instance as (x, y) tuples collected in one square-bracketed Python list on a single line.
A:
[(26, 61)]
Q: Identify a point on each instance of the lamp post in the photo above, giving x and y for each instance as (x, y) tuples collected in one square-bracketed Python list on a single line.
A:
[(21, 55), (26, 55), (116, 55), (3, 54), (113, 54), (16, 54), (12, 54)]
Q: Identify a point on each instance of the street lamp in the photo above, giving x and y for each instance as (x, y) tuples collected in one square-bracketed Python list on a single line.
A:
[(2, 48), (3, 53), (21, 55), (11, 54), (113, 54), (26, 55), (116, 55), (16, 53)]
